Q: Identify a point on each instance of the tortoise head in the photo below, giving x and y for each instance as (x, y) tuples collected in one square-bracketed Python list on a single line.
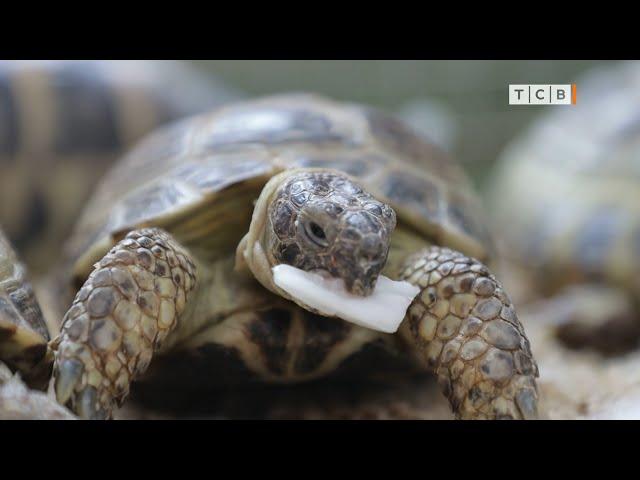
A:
[(321, 221)]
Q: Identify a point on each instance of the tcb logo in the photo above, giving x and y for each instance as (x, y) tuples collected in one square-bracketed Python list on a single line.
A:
[(542, 94)]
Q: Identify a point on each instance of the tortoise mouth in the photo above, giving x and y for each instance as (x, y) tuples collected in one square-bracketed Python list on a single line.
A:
[(383, 310)]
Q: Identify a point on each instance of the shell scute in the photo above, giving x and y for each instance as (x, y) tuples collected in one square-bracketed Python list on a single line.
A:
[(209, 161), (269, 123)]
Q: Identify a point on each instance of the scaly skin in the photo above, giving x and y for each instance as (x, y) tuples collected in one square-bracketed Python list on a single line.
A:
[(23, 332), (355, 234), (464, 328), (127, 307)]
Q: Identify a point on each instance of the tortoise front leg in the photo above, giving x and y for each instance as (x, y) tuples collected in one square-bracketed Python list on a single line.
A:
[(463, 327), (127, 307)]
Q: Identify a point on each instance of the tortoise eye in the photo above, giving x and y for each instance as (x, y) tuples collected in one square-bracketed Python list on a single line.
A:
[(316, 234)]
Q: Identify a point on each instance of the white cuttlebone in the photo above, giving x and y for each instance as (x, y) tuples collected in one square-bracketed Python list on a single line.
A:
[(383, 310)]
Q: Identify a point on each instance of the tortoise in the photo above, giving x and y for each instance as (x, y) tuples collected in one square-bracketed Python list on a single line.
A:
[(62, 123), (569, 188), (23, 331), (23, 346), (257, 243), (18, 402)]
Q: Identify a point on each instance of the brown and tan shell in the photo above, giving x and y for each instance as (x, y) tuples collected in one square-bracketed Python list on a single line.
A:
[(64, 122), (198, 178), (23, 332), (568, 190)]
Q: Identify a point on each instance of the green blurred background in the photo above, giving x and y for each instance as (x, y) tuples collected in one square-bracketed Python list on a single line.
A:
[(463, 103)]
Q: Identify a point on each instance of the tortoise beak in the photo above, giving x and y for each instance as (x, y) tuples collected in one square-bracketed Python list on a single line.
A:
[(362, 287), (363, 280), (366, 265)]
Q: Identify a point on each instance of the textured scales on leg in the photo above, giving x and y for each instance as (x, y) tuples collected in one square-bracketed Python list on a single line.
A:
[(125, 310), (464, 327)]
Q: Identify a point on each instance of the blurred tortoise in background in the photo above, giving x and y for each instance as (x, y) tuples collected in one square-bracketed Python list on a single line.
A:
[(241, 246), (18, 402), (23, 346), (62, 123), (23, 331), (567, 194)]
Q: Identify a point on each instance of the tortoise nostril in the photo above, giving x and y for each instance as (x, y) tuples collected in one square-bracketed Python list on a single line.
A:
[(371, 248), (372, 256), (368, 257)]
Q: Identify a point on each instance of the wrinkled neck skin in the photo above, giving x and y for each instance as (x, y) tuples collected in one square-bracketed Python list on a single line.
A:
[(404, 242), (219, 293), (251, 254)]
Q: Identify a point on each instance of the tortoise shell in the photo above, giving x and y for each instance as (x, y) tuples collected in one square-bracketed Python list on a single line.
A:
[(569, 188), (62, 123), (198, 178), (23, 333)]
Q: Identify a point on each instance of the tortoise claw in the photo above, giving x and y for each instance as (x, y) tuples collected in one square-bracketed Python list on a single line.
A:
[(85, 401), (87, 405), (68, 376)]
